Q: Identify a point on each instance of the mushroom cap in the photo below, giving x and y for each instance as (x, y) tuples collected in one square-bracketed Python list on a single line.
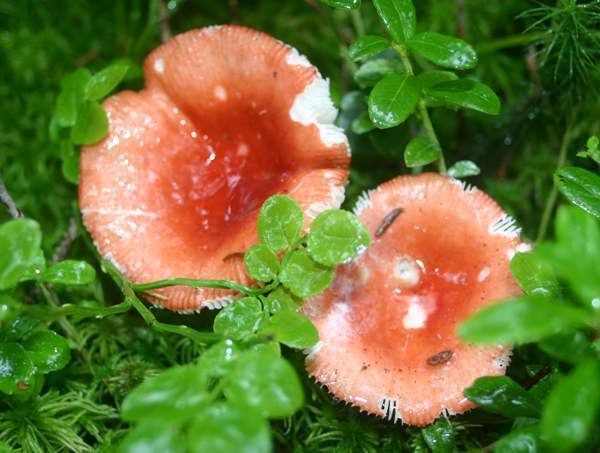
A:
[(387, 325), (228, 117)]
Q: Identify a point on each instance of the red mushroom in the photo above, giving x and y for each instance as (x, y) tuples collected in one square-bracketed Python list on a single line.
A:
[(387, 325), (228, 117)]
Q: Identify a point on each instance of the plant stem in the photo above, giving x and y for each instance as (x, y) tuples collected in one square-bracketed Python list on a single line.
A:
[(7, 201), (421, 107), (551, 200), (509, 41), (357, 21), (193, 283), (64, 323)]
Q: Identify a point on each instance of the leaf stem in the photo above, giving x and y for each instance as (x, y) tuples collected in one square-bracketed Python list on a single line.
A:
[(193, 283), (357, 22), (421, 107), (551, 200), (507, 42)]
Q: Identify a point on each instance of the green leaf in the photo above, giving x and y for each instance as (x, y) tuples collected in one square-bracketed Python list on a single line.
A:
[(367, 46), (399, 18), (521, 320), (16, 368), (439, 437), (581, 187), (240, 318), (431, 78), (47, 350), (534, 275), (368, 74), (342, 4), (523, 440), (175, 394), (262, 263), (421, 151), (226, 428), (71, 97), (280, 222), (70, 161), (70, 272), (303, 276), (104, 81), (20, 327), (570, 347), (336, 236), (467, 94), (292, 329), (21, 256), (153, 435), (218, 360), (266, 383), (445, 51), (393, 99), (91, 125), (362, 124), (502, 395), (280, 299), (463, 168), (8, 308), (575, 255), (572, 408)]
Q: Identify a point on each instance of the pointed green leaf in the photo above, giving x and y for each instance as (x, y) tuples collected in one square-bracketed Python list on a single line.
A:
[(467, 94), (581, 187), (104, 81), (421, 151), (431, 78), (523, 440), (445, 51), (439, 436), (71, 97), (398, 17), (502, 395), (463, 168), (21, 256), (393, 99), (367, 46), (534, 275)]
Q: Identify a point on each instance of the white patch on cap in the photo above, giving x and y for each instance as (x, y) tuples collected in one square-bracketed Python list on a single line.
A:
[(159, 65), (336, 198), (502, 361), (220, 93), (314, 106), (365, 201), (295, 58), (484, 274), (506, 226), (407, 272), (416, 316)]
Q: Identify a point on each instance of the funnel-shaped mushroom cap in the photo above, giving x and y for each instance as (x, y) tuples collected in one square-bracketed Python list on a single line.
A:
[(229, 116), (387, 325)]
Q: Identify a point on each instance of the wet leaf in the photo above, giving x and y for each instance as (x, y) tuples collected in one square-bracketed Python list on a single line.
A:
[(292, 329), (336, 236), (280, 222), (534, 275), (398, 16), (431, 78), (421, 151), (342, 4), (572, 408), (439, 437), (523, 440), (218, 360), (303, 276), (266, 383), (262, 263), (226, 427), (71, 97), (521, 320), (16, 368), (70, 272), (443, 50), (393, 99), (21, 257), (104, 81), (91, 125), (367, 46), (48, 350), (153, 435), (167, 397), (502, 395), (240, 318), (581, 187), (467, 94), (371, 72), (280, 299), (463, 168)]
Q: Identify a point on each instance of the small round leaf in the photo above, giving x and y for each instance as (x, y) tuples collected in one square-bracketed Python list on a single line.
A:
[(280, 222), (21, 256), (393, 99), (261, 262), (336, 236), (303, 276), (421, 151), (463, 168), (70, 272), (265, 382), (48, 350), (292, 329), (240, 318), (280, 299), (91, 125), (16, 368)]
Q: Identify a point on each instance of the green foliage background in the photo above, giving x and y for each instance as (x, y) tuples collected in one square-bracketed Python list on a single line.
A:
[(542, 59)]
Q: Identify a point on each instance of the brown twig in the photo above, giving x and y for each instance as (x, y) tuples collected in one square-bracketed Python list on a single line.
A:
[(460, 18), (7, 201), (63, 248), (163, 21)]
